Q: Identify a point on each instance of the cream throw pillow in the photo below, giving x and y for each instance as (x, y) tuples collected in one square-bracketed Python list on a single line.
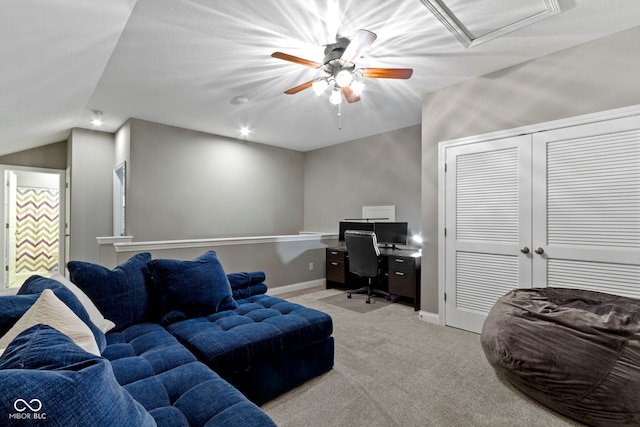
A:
[(49, 310), (94, 314)]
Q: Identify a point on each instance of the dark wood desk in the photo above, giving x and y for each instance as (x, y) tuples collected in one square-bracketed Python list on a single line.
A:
[(400, 268)]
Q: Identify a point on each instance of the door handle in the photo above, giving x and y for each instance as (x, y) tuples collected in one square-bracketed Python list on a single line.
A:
[(524, 250), (539, 250)]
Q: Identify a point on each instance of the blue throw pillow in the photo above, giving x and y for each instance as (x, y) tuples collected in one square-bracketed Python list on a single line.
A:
[(245, 279), (14, 306), (191, 288), (45, 379), (123, 294)]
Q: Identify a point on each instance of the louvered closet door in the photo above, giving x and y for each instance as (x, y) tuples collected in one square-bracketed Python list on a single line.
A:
[(586, 218), (488, 221)]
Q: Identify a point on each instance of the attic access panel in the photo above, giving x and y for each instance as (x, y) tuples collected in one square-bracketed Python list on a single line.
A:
[(473, 23)]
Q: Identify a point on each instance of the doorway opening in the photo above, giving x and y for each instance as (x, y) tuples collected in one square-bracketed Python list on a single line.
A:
[(34, 224)]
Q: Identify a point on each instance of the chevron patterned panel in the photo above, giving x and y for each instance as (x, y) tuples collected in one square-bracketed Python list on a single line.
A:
[(37, 228)]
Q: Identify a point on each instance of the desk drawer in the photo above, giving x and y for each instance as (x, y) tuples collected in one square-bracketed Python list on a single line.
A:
[(402, 283), (335, 255), (402, 263), (335, 271)]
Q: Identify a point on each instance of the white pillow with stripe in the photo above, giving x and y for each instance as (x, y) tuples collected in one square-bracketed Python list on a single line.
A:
[(49, 310)]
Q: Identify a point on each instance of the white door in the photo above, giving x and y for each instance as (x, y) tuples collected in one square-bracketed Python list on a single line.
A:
[(10, 239), (488, 226), (33, 232), (586, 210)]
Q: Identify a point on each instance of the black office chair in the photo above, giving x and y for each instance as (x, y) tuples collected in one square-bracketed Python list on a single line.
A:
[(364, 261)]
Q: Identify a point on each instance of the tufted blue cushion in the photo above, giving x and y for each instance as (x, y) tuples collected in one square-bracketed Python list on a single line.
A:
[(191, 288), (62, 384), (172, 385), (261, 333), (13, 307), (260, 327), (123, 295)]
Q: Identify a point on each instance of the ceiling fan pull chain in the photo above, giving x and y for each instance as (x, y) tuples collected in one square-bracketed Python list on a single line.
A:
[(340, 116)]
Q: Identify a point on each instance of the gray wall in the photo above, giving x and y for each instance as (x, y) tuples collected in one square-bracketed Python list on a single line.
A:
[(51, 156), (90, 158), (380, 170), (592, 77), (184, 184), (285, 262)]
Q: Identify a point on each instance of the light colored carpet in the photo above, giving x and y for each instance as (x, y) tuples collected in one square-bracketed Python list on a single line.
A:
[(391, 369), (356, 303)]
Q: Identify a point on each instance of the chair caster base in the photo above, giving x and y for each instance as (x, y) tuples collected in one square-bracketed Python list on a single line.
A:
[(348, 295), (368, 301)]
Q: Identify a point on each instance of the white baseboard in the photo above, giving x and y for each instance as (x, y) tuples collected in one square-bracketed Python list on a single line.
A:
[(296, 287), (428, 317)]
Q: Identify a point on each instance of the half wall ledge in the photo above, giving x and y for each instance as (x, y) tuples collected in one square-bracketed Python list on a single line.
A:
[(285, 259)]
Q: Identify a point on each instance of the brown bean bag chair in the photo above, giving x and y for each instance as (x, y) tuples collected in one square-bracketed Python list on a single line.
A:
[(574, 351)]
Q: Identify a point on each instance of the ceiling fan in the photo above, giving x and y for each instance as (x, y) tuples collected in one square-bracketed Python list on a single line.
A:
[(340, 68)]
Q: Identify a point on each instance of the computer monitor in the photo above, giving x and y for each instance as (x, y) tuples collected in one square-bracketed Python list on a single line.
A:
[(391, 233), (352, 225)]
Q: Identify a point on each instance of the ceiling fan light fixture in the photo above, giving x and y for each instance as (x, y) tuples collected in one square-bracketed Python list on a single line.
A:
[(357, 87), (344, 78), (319, 86), (336, 97)]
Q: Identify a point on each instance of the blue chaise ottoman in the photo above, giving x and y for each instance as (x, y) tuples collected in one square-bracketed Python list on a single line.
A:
[(264, 347)]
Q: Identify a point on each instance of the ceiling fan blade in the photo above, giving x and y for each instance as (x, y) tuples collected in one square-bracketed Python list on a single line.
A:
[(387, 73), (295, 59), (299, 88), (350, 95), (360, 43)]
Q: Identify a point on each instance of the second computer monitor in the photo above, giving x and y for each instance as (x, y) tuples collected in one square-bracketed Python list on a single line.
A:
[(391, 233)]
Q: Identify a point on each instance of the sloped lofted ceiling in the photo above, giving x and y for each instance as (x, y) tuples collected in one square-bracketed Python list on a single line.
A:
[(182, 62)]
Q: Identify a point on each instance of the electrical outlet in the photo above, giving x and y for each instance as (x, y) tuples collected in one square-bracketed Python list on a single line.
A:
[(310, 266)]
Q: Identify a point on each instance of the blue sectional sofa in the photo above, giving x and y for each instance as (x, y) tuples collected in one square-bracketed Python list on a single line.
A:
[(154, 342)]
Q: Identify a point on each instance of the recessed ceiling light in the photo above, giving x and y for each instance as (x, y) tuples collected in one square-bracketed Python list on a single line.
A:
[(238, 100), (245, 131), (97, 118)]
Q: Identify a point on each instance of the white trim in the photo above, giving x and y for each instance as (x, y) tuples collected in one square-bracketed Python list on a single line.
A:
[(296, 287), (110, 240), (428, 317), (599, 116), (464, 36), (226, 241), (442, 212)]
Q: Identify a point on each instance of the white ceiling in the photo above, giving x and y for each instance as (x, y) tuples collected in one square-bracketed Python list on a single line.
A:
[(181, 62)]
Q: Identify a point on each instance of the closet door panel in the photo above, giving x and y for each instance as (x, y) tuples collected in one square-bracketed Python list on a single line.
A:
[(488, 205), (586, 209)]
